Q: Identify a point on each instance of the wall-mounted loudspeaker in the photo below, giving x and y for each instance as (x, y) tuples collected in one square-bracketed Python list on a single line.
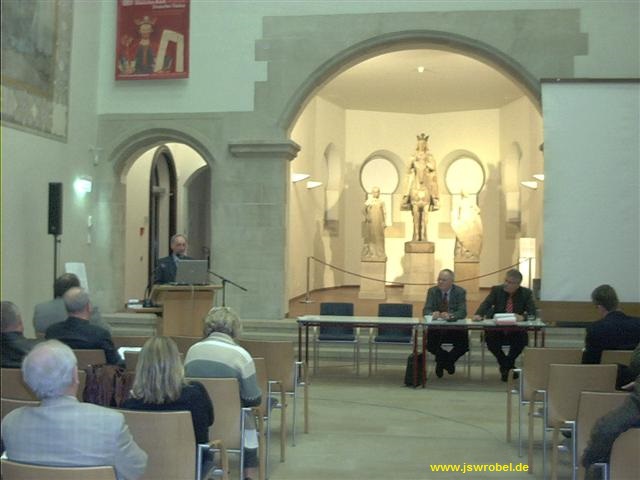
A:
[(55, 208)]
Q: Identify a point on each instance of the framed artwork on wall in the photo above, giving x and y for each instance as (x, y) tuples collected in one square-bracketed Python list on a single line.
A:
[(152, 39)]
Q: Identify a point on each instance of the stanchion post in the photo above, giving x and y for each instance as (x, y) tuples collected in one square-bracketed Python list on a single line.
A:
[(307, 298)]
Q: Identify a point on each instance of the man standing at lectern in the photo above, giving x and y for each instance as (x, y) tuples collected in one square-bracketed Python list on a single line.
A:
[(167, 266)]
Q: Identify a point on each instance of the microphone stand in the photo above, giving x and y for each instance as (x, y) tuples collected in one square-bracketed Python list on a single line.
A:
[(224, 286)]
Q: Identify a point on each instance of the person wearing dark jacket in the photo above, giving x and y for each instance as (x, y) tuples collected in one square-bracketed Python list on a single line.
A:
[(14, 344)]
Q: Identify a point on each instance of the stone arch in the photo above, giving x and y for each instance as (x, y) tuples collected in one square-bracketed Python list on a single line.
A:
[(410, 39)]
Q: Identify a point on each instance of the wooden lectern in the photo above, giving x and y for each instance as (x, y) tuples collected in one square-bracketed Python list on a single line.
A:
[(183, 307)]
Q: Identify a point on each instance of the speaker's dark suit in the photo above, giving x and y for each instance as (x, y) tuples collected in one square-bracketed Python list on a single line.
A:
[(457, 308), (616, 331), (166, 269), (496, 302)]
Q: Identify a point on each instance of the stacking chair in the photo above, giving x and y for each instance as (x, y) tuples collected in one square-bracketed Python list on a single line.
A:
[(624, 463), (131, 360), (386, 335), (336, 334), (622, 357), (23, 471), (533, 377), (560, 409), (7, 405), (592, 406), (129, 340), (14, 388), (88, 357), (286, 376), (229, 425), (264, 411), (169, 441)]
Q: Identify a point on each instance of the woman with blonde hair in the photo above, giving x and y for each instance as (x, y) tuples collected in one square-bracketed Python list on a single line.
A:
[(160, 385)]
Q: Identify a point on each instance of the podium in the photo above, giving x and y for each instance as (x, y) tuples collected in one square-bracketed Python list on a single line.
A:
[(183, 307)]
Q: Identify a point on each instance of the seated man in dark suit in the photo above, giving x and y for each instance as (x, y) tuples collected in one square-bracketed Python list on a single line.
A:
[(509, 297), (614, 331), (77, 332), (446, 301), (167, 266), (14, 345), (54, 311)]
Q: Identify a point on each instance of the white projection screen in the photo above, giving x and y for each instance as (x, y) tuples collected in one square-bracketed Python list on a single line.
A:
[(592, 189)]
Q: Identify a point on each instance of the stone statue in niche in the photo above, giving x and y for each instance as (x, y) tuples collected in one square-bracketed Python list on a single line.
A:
[(373, 227), (423, 188), (467, 225)]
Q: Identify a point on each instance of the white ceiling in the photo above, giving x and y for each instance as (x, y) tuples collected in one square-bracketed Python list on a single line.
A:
[(450, 82)]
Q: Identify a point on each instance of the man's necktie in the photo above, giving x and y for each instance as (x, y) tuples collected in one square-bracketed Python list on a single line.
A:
[(444, 306), (509, 307)]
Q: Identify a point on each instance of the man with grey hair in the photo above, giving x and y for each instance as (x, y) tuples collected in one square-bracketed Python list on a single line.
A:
[(168, 266), (53, 311), (14, 344), (62, 431), (219, 356), (77, 332)]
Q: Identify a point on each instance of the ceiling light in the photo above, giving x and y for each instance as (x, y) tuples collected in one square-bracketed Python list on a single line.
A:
[(530, 184), (313, 184), (420, 69), (296, 177), (539, 176), (83, 185)]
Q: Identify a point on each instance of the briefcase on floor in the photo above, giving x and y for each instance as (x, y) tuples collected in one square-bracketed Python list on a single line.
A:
[(408, 373)]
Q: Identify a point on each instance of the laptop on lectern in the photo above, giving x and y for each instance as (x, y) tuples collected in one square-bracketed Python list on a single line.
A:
[(192, 272)]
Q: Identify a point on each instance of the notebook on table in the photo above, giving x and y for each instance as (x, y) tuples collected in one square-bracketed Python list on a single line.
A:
[(192, 272)]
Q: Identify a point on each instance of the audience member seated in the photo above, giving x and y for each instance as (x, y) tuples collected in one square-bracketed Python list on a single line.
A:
[(160, 385), (14, 345), (446, 301), (218, 356), (77, 332), (509, 297), (54, 311), (608, 428), (62, 431), (614, 331)]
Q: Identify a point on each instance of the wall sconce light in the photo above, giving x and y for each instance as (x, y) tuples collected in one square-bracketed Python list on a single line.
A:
[(539, 176), (296, 177), (533, 185), (83, 185), (313, 184)]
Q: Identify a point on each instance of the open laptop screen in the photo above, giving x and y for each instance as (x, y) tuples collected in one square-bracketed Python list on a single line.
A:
[(192, 272)]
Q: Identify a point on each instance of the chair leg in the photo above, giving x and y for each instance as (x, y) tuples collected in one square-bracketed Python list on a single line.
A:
[(306, 400), (554, 453), (481, 357), (509, 387), (574, 450), (530, 432), (283, 422)]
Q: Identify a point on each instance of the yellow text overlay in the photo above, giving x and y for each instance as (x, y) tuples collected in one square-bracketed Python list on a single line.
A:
[(479, 467)]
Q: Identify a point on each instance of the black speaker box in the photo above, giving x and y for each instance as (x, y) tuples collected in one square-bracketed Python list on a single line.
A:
[(55, 208)]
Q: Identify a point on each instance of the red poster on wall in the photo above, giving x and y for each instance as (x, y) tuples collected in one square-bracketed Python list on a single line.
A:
[(152, 39)]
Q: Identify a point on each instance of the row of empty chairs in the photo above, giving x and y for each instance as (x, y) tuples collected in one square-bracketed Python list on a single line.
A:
[(554, 385)]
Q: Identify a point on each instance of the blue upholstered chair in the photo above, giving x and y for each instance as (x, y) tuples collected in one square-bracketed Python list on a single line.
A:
[(391, 335), (337, 334)]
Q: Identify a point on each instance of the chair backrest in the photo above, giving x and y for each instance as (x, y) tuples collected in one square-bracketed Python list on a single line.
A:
[(279, 357), (22, 471), (9, 404), (336, 308), (185, 343), (129, 341), (567, 381), (87, 357), (225, 396), (622, 357), (169, 441), (394, 310), (592, 406), (131, 360), (263, 383), (535, 366), (625, 461), (13, 386)]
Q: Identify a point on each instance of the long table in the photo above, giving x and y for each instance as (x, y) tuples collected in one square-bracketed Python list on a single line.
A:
[(418, 324)]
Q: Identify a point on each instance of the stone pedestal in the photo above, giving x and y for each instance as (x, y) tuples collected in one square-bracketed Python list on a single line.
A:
[(373, 268), (468, 269), (420, 259)]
